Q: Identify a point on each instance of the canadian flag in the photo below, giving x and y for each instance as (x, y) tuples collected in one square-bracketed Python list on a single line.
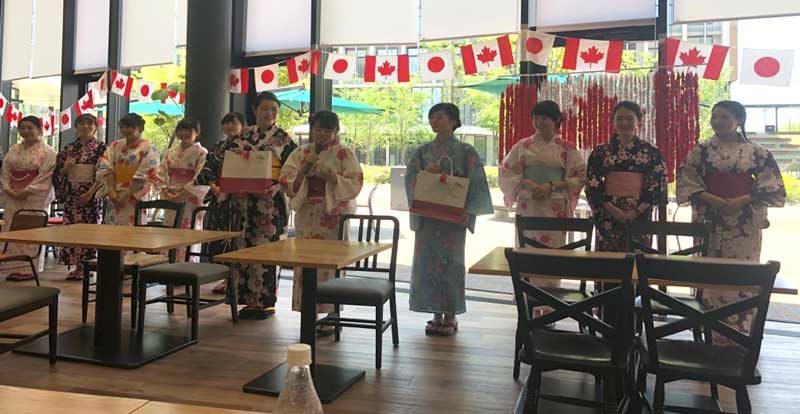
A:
[(146, 90), (386, 69), (13, 116), (707, 60), (592, 55), (3, 104), (300, 66), (266, 77), (340, 67), (86, 103), (239, 80), (48, 125), (65, 121), (436, 65), (484, 56), (535, 47), (121, 84), (766, 67)]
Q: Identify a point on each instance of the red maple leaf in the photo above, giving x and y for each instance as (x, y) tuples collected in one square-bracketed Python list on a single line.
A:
[(89, 103), (303, 66), (487, 55), (592, 55), (386, 69), (692, 57), (119, 83), (234, 80)]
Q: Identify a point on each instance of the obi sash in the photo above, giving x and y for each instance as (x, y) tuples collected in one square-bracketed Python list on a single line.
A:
[(624, 184), (81, 173), (22, 178), (541, 174), (123, 174), (276, 167), (316, 187), (729, 184), (181, 176)]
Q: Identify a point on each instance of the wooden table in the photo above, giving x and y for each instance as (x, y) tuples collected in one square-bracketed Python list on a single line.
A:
[(106, 342), (495, 264), (310, 254)]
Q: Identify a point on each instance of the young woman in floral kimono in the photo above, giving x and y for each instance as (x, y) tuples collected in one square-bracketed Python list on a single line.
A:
[(543, 175), (178, 171), (264, 216), (323, 179), (625, 180), (437, 274), (75, 185), (730, 182), (27, 183), (129, 169)]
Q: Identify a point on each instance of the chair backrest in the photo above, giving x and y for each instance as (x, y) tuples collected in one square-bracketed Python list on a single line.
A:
[(605, 267), (221, 219), (698, 231), (370, 230), (143, 206), (585, 226), (27, 219), (710, 273)]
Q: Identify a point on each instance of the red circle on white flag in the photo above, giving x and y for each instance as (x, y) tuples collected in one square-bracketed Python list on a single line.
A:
[(534, 45), (767, 67), (340, 66), (267, 76), (64, 119), (144, 90), (2, 103), (436, 64)]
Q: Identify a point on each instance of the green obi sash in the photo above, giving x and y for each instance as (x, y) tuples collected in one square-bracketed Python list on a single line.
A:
[(541, 174)]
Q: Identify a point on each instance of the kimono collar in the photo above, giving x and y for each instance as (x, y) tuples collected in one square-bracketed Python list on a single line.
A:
[(538, 138), (717, 141), (78, 143), (449, 141), (334, 142), (618, 144)]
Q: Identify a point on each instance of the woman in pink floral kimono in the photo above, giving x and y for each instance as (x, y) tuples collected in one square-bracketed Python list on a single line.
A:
[(322, 179)]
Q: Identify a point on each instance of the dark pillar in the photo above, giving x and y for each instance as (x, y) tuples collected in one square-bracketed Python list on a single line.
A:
[(661, 36), (117, 105), (5, 88), (321, 89), (208, 46), (240, 102), (70, 84), (529, 68)]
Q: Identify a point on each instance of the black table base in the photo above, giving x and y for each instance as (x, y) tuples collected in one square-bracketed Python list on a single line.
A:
[(329, 380), (79, 345)]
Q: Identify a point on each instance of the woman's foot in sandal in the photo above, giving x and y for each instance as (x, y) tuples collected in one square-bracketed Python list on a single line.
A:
[(76, 274), (441, 329), (220, 288), (325, 330), (451, 320)]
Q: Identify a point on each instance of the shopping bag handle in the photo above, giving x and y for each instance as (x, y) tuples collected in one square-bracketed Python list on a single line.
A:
[(439, 163)]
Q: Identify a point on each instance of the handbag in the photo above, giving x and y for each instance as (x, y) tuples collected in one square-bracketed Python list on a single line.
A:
[(441, 196)]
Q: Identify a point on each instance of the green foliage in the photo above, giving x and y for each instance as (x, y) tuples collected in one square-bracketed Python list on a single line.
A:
[(491, 176), (712, 92), (159, 129), (376, 174), (792, 184)]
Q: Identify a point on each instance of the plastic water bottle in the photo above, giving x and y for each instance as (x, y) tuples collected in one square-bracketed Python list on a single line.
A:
[(299, 395)]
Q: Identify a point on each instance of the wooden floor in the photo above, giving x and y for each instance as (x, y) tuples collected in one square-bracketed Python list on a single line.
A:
[(468, 373)]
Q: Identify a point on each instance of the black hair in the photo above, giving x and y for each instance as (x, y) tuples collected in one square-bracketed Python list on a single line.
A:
[(326, 119), (132, 120), (265, 96), (233, 116), (34, 120), (86, 119), (631, 106), (450, 110), (738, 111), (188, 123), (549, 109)]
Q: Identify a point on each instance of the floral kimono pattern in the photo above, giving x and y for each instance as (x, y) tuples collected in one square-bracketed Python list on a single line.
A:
[(264, 218), (137, 162), (438, 272), (318, 205), (36, 163), (737, 235), (638, 157), (68, 191)]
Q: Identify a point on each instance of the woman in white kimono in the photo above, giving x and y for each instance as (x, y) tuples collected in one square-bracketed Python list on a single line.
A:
[(27, 184), (129, 169), (322, 179)]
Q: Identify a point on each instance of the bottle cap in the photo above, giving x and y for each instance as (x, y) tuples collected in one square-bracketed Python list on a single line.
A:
[(299, 355)]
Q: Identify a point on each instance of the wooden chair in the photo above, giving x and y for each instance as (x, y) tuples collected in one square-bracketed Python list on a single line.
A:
[(192, 275), (19, 300), (56, 219), (134, 262), (26, 219), (544, 349), (360, 291), (733, 366), (523, 224)]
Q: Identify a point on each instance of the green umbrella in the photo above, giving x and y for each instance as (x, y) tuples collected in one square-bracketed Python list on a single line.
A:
[(498, 85), (299, 99)]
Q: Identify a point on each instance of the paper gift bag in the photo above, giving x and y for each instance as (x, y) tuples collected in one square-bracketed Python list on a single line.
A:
[(440, 196), (246, 172), (81, 173)]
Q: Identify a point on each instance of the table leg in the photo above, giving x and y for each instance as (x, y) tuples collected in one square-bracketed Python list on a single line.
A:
[(108, 305)]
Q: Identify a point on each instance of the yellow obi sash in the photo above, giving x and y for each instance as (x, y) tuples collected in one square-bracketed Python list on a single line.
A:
[(123, 174)]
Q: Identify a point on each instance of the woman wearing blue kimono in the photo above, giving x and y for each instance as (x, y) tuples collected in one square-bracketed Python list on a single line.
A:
[(438, 271)]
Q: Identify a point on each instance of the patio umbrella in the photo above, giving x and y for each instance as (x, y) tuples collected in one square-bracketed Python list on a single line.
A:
[(153, 108), (298, 100), (498, 86)]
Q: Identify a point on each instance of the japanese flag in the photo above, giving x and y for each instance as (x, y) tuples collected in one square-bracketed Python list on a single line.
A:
[(102, 84), (239, 80), (13, 116), (300, 66), (86, 103), (535, 47), (3, 104), (436, 65), (65, 120), (266, 77), (705, 59), (583, 55), (340, 67), (767, 67), (484, 56), (386, 68), (121, 84), (48, 125), (146, 90)]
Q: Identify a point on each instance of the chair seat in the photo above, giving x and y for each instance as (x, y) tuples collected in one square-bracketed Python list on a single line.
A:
[(562, 294), (13, 297), (569, 348), (660, 309), (703, 362), (355, 291), (179, 273), (138, 259)]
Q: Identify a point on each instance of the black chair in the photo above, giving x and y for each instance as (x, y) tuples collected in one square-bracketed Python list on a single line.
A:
[(733, 366), (192, 275), (19, 300), (544, 349), (26, 219), (524, 224), (134, 262), (365, 291)]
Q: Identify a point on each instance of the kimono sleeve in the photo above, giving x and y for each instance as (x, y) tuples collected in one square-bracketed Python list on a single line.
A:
[(654, 183), (595, 176), (289, 171), (43, 183), (768, 188), (60, 182), (349, 179), (690, 177), (106, 165), (212, 167), (413, 168), (479, 198), (147, 172), (5, 171), (510, 173)]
